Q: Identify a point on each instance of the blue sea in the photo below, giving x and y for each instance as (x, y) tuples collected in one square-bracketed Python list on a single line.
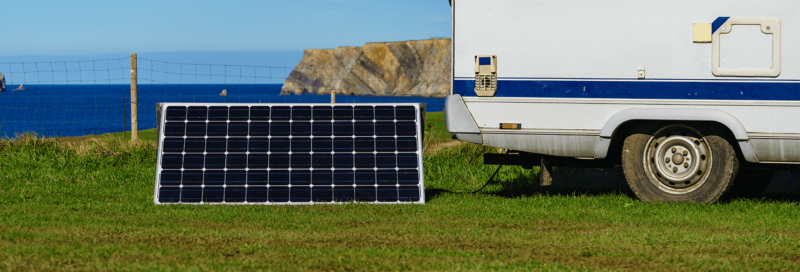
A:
[(77, 110)]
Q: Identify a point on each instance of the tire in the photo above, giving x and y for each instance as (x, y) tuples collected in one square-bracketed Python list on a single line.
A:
[(751, 183), (694, 165)]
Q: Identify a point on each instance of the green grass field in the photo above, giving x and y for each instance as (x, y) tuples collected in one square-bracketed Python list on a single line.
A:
[(87, 205)]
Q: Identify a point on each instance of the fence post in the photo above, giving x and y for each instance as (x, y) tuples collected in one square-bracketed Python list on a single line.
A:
[(124, 121), (134, 100)]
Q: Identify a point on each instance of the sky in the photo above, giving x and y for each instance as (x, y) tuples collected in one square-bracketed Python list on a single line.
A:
[(246, 32)]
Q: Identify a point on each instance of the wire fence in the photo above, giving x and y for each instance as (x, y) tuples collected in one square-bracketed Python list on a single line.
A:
[(68, 98), (92, 97)]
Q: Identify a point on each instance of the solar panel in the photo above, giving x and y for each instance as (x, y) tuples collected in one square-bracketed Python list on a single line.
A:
[(295, 154)]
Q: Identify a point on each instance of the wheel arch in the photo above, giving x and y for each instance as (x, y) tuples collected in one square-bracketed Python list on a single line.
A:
[(612, 126)]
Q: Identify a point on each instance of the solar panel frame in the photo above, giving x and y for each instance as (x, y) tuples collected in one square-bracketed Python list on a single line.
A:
[(307, 113)]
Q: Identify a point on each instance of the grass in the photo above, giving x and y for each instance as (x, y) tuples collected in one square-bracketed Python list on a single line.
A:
[(436, 135), (147, 134), (79, 206)]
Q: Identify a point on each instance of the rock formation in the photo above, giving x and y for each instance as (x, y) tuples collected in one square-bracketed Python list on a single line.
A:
[(410, 68), (2, 83)]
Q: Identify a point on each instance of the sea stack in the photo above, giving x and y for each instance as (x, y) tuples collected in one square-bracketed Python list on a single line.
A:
[(2, 83), (409, 68)]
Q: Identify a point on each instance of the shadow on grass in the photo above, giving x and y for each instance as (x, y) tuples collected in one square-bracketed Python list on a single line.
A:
[(568, 181), (431, 194), (785, 187)]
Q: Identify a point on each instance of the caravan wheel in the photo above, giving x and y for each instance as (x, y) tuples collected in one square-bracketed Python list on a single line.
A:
[(678, 163)]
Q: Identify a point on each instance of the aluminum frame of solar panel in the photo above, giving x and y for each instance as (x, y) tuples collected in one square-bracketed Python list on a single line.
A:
[(236, 184)]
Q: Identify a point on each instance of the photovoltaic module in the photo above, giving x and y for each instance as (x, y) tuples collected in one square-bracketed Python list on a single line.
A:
[(278, 154)]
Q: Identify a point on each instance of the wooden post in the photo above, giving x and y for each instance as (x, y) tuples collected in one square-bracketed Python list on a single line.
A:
[(124, 119), (134, 105)]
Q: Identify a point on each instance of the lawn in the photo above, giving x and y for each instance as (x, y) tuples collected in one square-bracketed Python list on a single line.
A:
[(73, 205), (147, 134)]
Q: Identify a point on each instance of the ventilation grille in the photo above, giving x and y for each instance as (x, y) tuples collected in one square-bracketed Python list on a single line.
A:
[(486, 83)]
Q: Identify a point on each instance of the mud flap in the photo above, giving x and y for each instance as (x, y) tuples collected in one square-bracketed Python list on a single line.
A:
[(546, 173)]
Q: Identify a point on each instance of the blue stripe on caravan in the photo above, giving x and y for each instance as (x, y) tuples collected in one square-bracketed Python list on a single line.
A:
[(639, 89), (718, 23)]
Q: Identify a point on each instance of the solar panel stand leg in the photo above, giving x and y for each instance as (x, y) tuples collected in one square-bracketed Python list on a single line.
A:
[(158, 118), (422, 107)]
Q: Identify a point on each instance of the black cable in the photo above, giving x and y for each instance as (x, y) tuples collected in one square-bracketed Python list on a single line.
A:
[(484, 185)]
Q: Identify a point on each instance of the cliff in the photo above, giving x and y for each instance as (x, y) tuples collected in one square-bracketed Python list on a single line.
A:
[(410, 68)]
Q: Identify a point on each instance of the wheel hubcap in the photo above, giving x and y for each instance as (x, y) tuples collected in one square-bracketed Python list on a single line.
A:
[(677, 159)]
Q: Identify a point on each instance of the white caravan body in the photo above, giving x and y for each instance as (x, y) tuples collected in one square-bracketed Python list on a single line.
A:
[(570, 73)]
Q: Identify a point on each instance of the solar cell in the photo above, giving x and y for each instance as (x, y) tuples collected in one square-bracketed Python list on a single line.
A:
[(289, 154)]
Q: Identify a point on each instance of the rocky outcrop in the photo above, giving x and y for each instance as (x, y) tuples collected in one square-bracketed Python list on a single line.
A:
[(410, 68), (2, 83)]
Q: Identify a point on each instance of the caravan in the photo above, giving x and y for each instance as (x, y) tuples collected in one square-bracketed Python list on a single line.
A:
[(695, 100)]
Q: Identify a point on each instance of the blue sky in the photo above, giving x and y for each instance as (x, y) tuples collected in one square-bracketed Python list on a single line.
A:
[(250, 32)]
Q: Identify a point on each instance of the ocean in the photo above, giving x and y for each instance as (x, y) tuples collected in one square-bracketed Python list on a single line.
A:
[(77, 110)]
